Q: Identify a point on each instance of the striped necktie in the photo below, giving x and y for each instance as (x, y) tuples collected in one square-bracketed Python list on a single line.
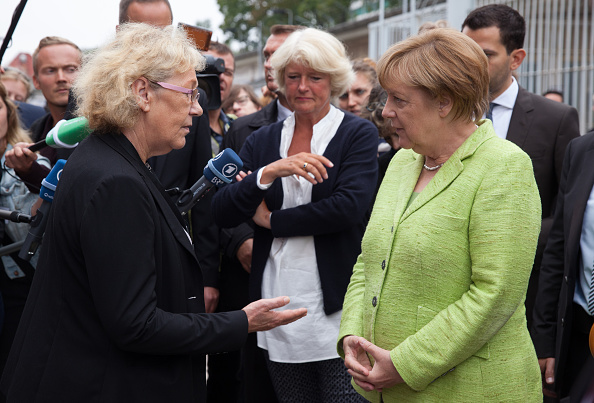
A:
[(590, 296)]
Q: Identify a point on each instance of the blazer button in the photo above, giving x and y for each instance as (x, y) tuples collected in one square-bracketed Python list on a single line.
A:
[(374, 301), (566, 279), (383, 265), (562, 320)]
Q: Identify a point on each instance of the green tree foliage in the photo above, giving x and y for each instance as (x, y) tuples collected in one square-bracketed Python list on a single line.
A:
[(245, 18)]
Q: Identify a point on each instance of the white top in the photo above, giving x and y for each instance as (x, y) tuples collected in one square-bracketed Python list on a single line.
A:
[(292, 268), (502, 112)]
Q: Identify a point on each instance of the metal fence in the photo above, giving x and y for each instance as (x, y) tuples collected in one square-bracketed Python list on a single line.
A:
[(559, 44)]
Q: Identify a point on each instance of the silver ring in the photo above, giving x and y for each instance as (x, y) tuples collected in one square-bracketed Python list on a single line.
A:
[(305, 166)]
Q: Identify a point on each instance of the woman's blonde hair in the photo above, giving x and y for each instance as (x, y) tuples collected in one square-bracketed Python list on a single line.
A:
[(15, 133), (319, 51), (445, 63), (103, 87)]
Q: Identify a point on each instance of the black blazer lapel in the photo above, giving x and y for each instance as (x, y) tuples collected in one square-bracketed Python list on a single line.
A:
[(118, 143), (583, 177), (521, 119)]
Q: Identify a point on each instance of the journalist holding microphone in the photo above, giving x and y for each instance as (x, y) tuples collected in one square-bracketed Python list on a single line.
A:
[(115, 312)]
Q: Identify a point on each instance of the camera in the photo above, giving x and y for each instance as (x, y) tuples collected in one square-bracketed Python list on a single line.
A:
[(208, 80)]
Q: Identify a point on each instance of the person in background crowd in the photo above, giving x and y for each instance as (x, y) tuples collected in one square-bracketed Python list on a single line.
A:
[(539, 126), (432, 25), (564, 309), (55, 65), (356, 97), (313, 179), (554, 95), (373, 112), (154, 12), (16, 274), (137, 311), (433, 311), (267, 96), (242, 101), (17, 84), (219, 121), (236, 252)]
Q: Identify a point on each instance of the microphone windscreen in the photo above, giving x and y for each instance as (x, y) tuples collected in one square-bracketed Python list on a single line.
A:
[(221, 169), (67, 133), (48, 185)]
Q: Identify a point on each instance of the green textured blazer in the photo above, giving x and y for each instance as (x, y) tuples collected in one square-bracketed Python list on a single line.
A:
[(442, 283)]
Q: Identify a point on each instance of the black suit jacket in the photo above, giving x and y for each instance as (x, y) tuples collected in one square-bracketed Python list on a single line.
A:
[(234, 279), (560, 264), (114, 312), (182, 168), (542, 128)]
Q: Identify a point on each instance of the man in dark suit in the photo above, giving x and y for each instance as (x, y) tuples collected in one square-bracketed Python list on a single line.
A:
[(236, 243), (562, 317), (539, 126)]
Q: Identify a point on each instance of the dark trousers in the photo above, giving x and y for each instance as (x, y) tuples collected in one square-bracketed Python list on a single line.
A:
[(578, 376), (257, 383)]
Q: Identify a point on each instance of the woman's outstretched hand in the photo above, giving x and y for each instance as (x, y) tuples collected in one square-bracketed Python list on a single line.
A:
[(261, 316)]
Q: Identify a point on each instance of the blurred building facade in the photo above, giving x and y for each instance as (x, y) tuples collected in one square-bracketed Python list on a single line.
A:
[(559, 42)]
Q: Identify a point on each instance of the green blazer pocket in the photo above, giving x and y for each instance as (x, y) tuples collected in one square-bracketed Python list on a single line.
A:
[(447, 222)]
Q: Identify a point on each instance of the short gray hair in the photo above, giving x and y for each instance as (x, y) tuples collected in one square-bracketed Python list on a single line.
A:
[(319, 51)]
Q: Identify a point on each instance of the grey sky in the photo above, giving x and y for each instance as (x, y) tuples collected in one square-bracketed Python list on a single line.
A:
[(88, 23)]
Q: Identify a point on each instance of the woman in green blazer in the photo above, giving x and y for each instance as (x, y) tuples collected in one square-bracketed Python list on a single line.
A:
[(435, 308)]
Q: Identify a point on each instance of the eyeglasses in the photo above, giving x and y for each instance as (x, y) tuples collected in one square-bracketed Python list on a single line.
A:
[(242, 100), (193, 94)]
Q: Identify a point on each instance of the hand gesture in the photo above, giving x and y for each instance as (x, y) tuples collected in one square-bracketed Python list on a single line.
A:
[(261, 316), (302, 164), (383, 373), (355, 357)]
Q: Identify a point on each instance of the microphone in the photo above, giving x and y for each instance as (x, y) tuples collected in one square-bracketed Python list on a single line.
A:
[(65, 134), (15, 216), (219, 171), (35, 235)]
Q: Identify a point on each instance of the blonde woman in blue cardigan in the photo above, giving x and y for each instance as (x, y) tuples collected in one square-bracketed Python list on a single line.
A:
[(435, 307)]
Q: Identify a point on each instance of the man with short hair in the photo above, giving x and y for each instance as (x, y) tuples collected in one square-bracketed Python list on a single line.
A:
[(236, 243), (55, 65), (153, 12), (219, 120), (356, 98), (539, 126)]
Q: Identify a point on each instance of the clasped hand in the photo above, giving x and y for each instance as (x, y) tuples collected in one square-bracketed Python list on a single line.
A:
[(382, 374)]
